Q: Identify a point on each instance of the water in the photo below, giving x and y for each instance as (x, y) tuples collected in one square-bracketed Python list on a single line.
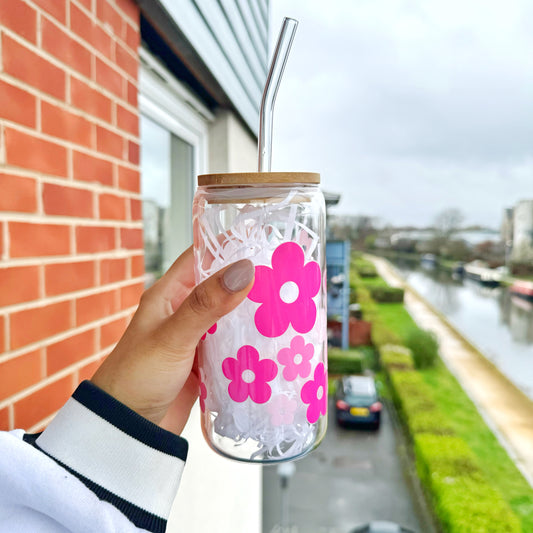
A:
[(498, 323)]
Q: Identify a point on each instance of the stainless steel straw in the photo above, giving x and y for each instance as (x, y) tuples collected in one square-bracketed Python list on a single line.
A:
[(266, 116)]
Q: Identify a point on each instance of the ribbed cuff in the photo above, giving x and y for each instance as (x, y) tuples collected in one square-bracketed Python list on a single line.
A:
[(119, 455)]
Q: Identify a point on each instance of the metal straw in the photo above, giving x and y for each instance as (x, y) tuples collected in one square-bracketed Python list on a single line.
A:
[(266, 115)]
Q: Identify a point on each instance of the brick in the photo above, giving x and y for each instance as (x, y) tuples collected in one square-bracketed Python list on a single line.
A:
[(20, 18), (27, 66), (69, 351), (33, 240), (87, 4), (127, 120), (109, 78), (130, 295), (90, 100), (111, 18), (88, 371), (129, 179), (133, 38), (109, 142), (130, 9), (94, 169), (42, 403), (111, 332), (56, 8), (112, 270), (136, 206), (35, 324), (132, 94), (67, 201), (19, 373), (19, 284), (134, 153), (27, 151), (17, 104), (1, 239), (93, 239), (131, 238), (59, 122), (60, 278), (95, 307), (4, 419), (2, 334), (56, 42), (137, 266), (89, 31), (18, 194), (125, 60), (112, 207)]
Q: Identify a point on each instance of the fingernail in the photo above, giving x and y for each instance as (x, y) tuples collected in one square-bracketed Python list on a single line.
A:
[(238, 275)]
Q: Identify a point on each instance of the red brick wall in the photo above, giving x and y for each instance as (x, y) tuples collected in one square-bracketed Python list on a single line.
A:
[(71, 269)]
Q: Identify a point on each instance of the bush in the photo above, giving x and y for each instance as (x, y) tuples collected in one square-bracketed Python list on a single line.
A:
[(396, 357), (386, 294), (424, 346), (364, 268), (463, 499), (345, 361)]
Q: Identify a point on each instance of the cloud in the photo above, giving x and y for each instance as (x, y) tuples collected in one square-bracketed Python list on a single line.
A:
[(408, 107)]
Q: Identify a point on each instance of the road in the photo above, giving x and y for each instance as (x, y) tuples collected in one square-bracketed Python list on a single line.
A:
[(353, 477)]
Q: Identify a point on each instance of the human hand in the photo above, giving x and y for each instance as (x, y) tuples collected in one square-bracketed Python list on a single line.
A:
[(151, 369)]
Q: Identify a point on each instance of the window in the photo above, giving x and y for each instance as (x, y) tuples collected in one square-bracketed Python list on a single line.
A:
[(173, 152)]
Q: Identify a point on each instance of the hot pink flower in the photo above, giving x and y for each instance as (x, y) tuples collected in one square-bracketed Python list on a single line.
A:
[(249, 376), (315, 393), (296, 358), (286, 292), (211, 330), (281, 410), (203, 396)]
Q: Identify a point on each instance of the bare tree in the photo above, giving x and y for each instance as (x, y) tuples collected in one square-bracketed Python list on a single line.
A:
[(448, 222)]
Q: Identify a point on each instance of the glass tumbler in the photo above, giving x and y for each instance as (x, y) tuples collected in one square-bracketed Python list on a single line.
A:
[(263, 367)]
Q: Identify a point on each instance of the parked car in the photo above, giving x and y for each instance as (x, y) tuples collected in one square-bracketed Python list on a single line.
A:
[(381, 526), (357, 401)]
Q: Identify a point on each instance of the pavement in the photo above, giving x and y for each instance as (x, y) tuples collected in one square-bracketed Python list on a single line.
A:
[(354, 476), (505, 408)]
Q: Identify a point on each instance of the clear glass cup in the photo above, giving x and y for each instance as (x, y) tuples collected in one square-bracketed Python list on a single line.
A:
[(263, 367)]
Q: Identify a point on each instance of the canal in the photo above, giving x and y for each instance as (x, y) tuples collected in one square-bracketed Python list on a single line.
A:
[(499, 324)]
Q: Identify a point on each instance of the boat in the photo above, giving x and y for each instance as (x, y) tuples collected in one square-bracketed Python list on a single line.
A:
[(523, 289), (480, 272), (428, 261)]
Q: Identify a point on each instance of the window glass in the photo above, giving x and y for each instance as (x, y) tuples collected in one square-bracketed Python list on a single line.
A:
[(167, 172)]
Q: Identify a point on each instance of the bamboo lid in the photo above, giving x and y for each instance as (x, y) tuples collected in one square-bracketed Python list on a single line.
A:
[(249, 178)]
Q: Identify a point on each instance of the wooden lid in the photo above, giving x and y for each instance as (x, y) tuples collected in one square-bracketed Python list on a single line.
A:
[(248, 178)]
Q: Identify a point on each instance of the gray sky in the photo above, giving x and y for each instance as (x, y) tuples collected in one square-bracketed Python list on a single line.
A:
[(407, 108)]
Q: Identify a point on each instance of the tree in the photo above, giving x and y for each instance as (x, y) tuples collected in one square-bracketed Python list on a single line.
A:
[(448, 222)]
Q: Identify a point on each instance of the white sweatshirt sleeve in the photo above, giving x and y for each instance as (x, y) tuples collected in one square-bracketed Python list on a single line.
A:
[(98, 467)]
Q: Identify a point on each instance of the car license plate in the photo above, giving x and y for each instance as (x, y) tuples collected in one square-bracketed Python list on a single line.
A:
[(359, 411)]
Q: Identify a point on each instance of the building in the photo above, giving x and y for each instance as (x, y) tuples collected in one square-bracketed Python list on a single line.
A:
[(522, 235), (108, 109)]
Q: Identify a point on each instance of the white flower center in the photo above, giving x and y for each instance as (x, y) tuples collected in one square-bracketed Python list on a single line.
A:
[(248, 376), (297, 359), (289, 292), (320, 392)]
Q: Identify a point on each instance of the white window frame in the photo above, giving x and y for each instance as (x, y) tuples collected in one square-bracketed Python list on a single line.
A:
[(163, 99)]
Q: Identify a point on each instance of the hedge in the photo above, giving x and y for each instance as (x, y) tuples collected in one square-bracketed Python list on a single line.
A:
[(462, 497), (345, 361), (386, 294)]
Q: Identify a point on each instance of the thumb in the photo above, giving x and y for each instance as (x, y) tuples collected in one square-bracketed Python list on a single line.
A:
[(209, 301)]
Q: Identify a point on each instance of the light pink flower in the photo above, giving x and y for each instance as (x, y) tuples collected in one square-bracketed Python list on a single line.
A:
[(281, 410), (203, 395), (315, 393), (296, 358), (286, 292), (211, 330), (249, 376)]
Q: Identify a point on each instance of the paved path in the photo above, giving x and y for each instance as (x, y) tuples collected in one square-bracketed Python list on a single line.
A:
[(354, 476), (507, 410)]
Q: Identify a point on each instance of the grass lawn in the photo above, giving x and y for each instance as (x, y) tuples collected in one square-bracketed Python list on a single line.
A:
[(396, 318), (493, 459)]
